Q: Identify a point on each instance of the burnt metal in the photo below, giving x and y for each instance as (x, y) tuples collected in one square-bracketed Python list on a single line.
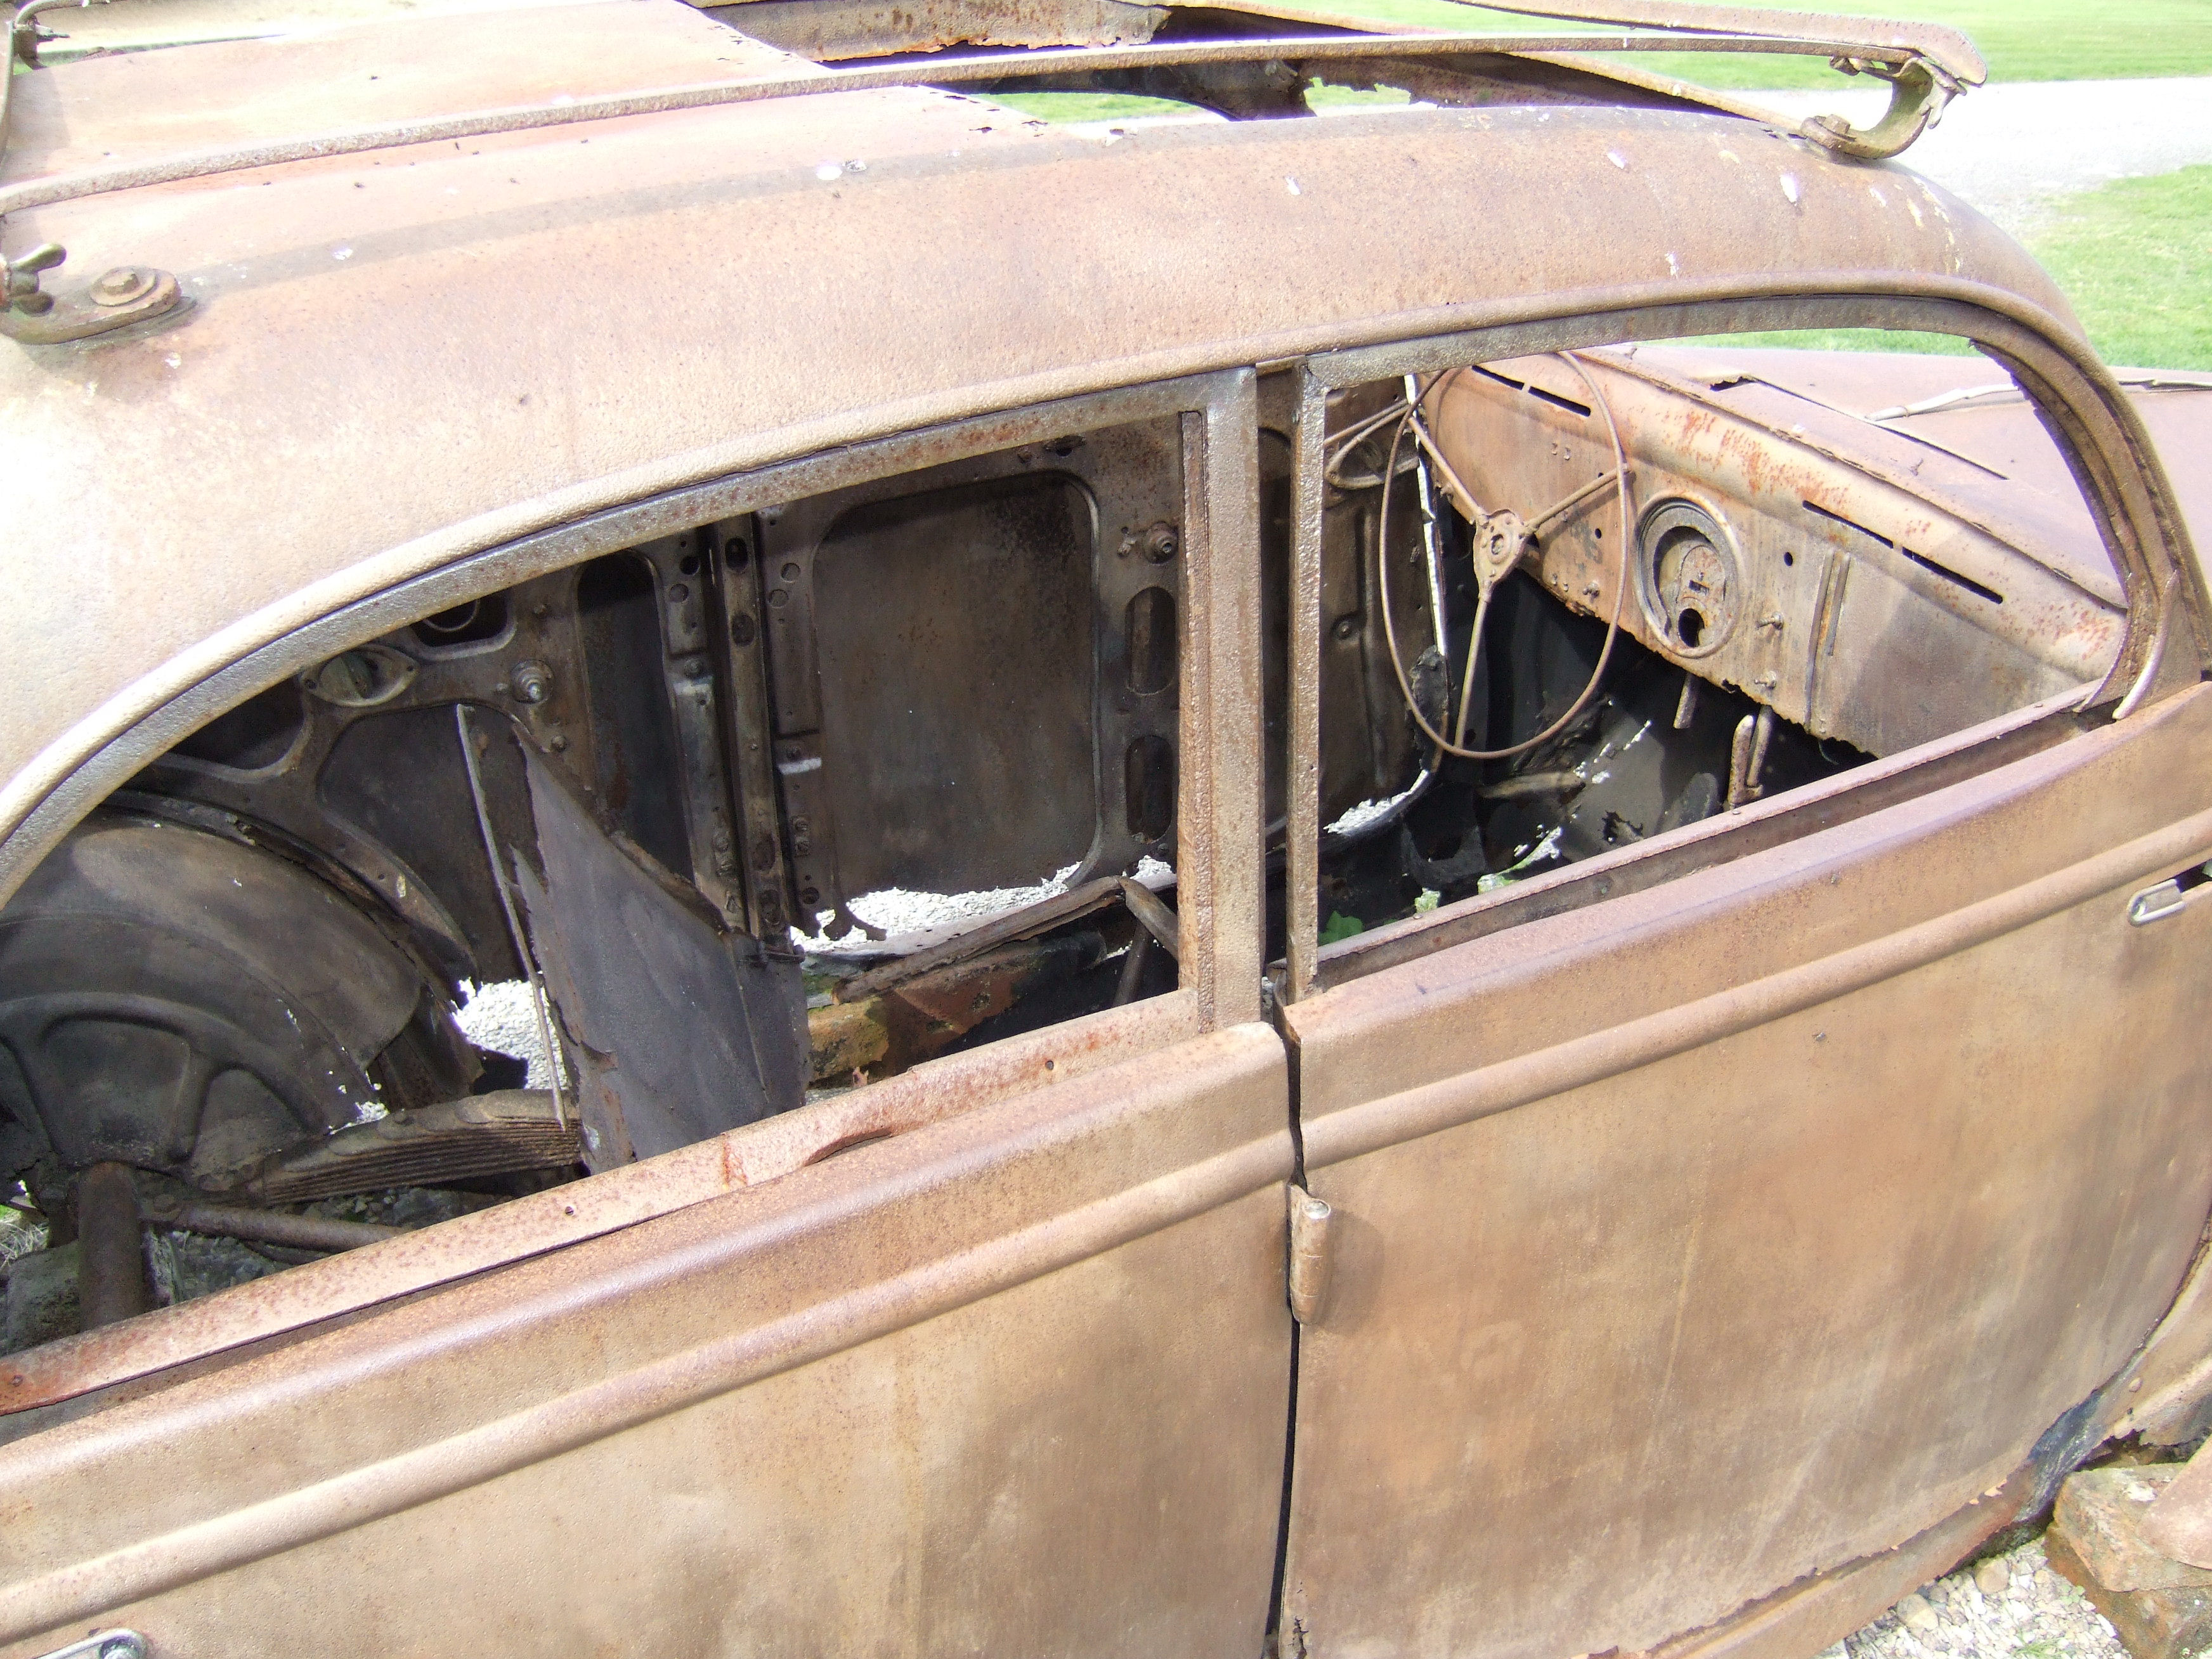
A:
[(1720, 840), (762, 861), (676, 1029), (111, 1261), (301, 1232), (1312, 1228), (957, 637), (36, 1384), (187, 1004), (1026, 922), (998, 1245), (1809, 963), (1302, 763)]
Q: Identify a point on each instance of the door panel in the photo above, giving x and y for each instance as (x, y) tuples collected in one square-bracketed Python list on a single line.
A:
[(1732, 1231), (1011, 1382)]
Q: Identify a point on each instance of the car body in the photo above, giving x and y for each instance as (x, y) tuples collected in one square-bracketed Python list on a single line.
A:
[(569, 496)]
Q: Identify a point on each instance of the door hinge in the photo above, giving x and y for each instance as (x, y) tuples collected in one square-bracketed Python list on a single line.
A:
[(1309, 1257)]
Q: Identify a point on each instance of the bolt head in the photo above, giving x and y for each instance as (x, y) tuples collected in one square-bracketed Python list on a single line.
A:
[(120, 286)]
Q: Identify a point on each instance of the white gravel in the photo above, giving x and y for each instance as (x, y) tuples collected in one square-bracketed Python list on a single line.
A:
[(901, 912), (2015, 149), (2008, 1606), (502, 1017)]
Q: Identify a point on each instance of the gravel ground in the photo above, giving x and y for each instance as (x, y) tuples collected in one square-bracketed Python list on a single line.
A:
[(2013, 150), (2003, 1607)]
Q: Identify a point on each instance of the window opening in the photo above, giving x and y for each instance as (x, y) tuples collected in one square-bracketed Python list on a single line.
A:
[(877, 773), (1575, 603)]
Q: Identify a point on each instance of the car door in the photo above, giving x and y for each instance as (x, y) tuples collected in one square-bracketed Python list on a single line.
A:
[(1749, 1224), (1012, 1380)]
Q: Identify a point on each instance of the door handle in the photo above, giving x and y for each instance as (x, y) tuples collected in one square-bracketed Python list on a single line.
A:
[(103, 1645), (2168, 897)]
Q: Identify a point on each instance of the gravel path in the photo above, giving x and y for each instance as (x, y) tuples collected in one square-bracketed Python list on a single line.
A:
[(2008, 1606), (2013, 150)]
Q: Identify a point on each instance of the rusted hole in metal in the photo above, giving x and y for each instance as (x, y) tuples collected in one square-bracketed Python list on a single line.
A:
[(867, 1138), (1150, 633), (465, 624), (1148, 776)]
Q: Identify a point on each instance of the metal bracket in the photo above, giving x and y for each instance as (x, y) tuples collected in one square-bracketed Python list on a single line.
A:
[(103, 1645), (127, 295), (1918, 91), (1310, 1258)]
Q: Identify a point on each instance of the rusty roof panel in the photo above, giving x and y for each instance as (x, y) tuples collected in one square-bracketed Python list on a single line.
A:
[(134, 106), (395, 359)]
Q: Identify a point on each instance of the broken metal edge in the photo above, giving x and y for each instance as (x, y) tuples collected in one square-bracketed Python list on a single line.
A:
[(1817, 1611)]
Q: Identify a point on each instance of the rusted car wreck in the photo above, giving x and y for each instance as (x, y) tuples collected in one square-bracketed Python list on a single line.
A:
[(1600, 1052)]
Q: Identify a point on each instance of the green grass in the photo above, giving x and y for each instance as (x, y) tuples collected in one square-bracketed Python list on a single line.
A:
[(2022, 39), (1088, 106), (2135, 257), (1844, 339)]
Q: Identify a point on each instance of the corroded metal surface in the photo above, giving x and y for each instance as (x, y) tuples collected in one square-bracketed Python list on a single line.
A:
[(1638, 1217), (1857, 607), (868, 29), (749, 1156), (470, 251), (723, 1402)]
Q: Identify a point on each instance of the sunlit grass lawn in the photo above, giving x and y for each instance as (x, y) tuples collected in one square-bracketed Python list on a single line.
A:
[(2135, 257), (2022, 39)]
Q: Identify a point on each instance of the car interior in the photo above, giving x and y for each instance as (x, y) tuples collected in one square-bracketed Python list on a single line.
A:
[(778, 805)]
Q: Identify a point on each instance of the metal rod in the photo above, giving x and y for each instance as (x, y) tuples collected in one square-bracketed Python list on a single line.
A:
[(519, 118), (1133, 969), (1302, 774), (1153, 917), (110, 1275), (301, 1232), (1685, 710)]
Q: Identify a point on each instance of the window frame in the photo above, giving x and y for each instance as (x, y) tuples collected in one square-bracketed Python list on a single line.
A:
[(1219, 829), (2098, 433)]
